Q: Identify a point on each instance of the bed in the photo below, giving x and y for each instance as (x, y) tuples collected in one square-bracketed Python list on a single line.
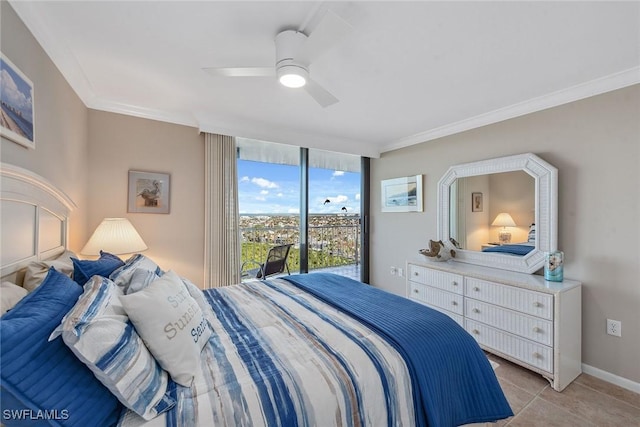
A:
[(314, 349), (518, 249)]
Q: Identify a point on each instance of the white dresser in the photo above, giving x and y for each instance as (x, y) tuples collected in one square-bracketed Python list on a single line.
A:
[(520, 317)]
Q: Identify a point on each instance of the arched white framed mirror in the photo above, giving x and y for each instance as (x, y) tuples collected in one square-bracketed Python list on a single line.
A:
[(472, 195)]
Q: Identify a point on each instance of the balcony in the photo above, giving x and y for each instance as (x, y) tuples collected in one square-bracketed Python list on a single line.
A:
[(334, 241)]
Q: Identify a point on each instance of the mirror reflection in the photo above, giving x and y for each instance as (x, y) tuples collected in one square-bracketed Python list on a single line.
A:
[(494, 212)]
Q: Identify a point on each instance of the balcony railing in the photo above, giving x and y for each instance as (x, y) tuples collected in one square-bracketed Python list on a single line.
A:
[(335, 241)]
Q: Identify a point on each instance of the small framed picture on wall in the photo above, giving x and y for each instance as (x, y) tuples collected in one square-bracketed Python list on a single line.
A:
[(149, 192), (476, 202)]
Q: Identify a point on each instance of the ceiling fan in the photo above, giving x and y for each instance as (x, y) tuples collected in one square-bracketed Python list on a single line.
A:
[(295, 51)]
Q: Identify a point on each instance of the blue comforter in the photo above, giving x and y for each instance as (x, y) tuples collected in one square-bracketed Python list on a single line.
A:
[(510, 249), (453, 381)]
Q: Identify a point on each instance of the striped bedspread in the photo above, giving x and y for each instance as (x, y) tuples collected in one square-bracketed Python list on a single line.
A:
[(323, 350), (282, 357)]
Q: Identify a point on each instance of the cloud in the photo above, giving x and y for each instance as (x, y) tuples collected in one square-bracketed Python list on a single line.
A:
[(264, 192), (357, 196), (280, 195), (244, 179), (261, 199), (264, 183), (337, 173), (12, 95), (339, 199)]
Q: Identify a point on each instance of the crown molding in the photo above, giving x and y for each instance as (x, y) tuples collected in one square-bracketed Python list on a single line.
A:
[(178, 118), (575, 93)]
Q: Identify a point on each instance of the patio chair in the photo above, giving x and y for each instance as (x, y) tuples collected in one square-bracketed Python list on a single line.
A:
[(276, 263)]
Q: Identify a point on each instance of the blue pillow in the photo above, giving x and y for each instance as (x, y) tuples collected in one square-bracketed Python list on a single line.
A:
[(43, 382), (83, 270)]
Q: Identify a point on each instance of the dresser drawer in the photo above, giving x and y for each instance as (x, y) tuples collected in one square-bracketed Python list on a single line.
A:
[(530, 327), (438, 279), (445, 300), (531, 302), (529, 352)]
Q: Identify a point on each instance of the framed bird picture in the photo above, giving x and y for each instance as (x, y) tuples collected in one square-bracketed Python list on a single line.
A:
[(148, 192)]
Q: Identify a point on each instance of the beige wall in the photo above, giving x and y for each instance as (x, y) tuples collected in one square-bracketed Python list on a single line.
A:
[(121, 143), (87, 154), (595, 144), (61, 132)]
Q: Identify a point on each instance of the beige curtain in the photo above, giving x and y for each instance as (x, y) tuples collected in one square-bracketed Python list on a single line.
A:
[(222, 233)]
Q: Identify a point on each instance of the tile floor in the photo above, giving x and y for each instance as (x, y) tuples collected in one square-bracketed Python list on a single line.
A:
[(586, 402)]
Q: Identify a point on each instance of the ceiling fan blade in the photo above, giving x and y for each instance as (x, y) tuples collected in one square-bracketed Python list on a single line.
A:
[(320, 94), (242, 71), (327, 34)]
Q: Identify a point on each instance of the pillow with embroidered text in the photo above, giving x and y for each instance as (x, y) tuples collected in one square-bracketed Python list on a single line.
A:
[(172, 325)]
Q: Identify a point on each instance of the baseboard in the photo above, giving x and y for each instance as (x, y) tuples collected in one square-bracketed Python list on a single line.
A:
[(611, 378)]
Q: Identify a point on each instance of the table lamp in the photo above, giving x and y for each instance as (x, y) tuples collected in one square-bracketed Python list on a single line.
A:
[(116, 236), (504, 220)]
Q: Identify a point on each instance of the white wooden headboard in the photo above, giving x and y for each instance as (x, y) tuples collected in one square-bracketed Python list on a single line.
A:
[(34, 218)]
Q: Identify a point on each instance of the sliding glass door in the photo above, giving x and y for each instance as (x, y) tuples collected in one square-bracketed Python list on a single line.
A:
[(310, 198)]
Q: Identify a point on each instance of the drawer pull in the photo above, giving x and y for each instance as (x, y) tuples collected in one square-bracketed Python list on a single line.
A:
[(454, 283), (454, 303), (537, 355), (537, 304), (477, 289), (476, 310), (476, 332), (415, 273), (536, 329), (415, 291)]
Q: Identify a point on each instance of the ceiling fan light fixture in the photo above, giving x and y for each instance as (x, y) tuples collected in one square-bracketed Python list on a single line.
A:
[(292, 76)]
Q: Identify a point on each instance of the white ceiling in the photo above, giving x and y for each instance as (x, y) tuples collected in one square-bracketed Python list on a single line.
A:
[(408, 71)]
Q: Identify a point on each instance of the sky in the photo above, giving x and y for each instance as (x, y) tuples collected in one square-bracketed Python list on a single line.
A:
[(269, 188), (15, 91)]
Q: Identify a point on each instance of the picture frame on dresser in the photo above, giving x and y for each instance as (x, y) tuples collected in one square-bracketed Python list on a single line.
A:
[(17, 122)]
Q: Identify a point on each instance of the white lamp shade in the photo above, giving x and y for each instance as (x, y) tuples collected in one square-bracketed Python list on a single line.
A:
[(116, 236), (504, 220)]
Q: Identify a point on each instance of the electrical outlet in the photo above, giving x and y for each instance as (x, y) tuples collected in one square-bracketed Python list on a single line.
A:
[(400, 272), (393, 271), (614, 327)]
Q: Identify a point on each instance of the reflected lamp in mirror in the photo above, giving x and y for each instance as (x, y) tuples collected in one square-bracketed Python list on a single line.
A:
[(504, 220), (114, 235)]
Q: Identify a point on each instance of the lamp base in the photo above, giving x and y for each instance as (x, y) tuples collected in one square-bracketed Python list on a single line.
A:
[(504, 238)]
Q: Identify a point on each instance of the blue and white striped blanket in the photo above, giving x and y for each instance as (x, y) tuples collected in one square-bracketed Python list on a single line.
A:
[(280, 356)]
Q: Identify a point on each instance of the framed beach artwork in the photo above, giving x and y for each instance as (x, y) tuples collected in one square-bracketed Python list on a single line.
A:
[(148, 192), (17, 121), (402, 194)]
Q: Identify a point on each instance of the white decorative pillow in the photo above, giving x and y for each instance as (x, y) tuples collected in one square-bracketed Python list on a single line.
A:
[(10, 294), (196, 294), (98, 332), (122, 276), (172, 325), (37, 270)]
